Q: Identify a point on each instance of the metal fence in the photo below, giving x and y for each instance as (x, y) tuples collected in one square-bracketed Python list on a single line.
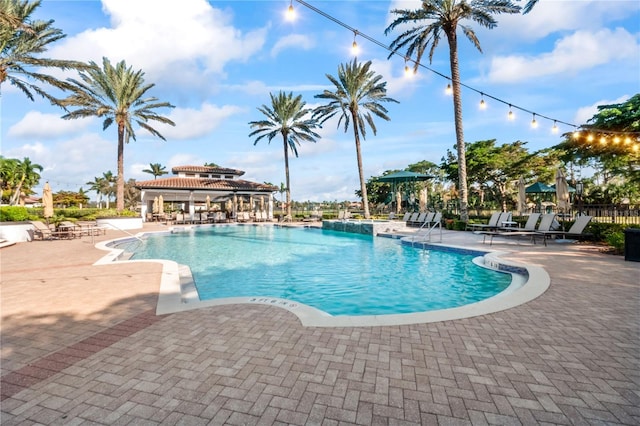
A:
[(606, 213)]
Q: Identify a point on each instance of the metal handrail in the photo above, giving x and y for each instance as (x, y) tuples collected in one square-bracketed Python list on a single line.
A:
[(431, 228)]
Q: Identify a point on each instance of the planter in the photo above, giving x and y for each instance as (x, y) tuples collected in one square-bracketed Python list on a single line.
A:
[(17, 232), (120, 223)]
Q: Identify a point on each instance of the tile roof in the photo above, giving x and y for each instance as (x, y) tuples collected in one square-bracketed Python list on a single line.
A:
[(206, 169), (205, 183)]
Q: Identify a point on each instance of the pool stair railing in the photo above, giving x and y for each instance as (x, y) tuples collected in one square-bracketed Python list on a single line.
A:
[(427, 228)]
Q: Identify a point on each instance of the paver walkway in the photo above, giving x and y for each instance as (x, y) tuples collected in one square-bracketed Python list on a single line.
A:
[(81, 345)]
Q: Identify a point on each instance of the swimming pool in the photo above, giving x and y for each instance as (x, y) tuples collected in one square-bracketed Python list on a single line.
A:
[(340, 274)]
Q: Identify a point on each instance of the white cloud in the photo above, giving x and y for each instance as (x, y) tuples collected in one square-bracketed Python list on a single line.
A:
[(193, 123), (587, 112), (296, 41), (164, 40), (579, 51), (36, 125)]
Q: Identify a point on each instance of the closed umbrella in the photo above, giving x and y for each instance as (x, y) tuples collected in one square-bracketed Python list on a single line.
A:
[(208, 202), (562, 191), (154, 208), (241, 208), (398, 201), (251, 203), (160, 205), (261, 203), (522, 196), (47, 201), (423, 200)]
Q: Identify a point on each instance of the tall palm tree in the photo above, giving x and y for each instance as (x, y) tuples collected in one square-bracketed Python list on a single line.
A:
[(22, 40), (156, 169), (25, 175), (96, 186), (445, 16), (288, 117), (357, 88), (117, 94)]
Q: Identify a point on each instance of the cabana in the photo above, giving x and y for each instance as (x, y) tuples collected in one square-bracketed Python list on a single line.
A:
[(197, 190)]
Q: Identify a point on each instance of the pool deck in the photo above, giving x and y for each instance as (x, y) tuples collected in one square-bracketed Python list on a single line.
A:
[(81, 344)]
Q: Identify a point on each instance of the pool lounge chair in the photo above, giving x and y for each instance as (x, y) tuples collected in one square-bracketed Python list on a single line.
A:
[(576, 230), (528, 231), (43, 232), (418, 220), (493, 223)]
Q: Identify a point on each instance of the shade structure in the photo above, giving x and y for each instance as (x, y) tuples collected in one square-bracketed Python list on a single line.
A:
[(47, 201), (562, 191), (522, 196), (539, 188), (160, 205), (401, 177)]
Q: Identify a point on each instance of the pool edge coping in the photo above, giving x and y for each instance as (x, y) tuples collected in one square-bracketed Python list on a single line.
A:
[(172, 300)]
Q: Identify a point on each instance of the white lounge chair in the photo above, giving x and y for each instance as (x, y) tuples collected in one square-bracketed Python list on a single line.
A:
[(576, 230), (492, 224)]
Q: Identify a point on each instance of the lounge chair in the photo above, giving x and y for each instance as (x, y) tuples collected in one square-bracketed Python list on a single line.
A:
[(425, 219), (413, 219), (528, 231), (43, 232), (576, 230), (406, 217), (492, 224), (419, 220)]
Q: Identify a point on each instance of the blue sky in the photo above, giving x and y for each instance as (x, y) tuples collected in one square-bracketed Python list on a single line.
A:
[(218, 61)]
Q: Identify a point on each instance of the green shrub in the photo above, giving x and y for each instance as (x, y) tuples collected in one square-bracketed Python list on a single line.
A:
[(14, 214), (616, 241)]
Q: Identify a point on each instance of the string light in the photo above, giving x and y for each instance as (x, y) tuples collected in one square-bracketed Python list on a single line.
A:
[(354, 47), (408, 72), (448, 90), (291, 13), (603, 140), (534, 123), (483, 104), (576, 133)]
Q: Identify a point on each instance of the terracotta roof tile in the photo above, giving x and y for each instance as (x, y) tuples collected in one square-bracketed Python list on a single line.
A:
[(206, 169), (204, 183)]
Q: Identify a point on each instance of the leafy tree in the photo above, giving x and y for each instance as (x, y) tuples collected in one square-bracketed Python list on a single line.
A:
[(131, 194), (18, 177), (23, 40), (358, 94), (211, 165), (70, 198), (117, 94), (287, 117), (156, 169), (445, 16)]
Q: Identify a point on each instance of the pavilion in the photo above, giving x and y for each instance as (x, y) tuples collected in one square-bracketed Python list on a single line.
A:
[(197, 189)]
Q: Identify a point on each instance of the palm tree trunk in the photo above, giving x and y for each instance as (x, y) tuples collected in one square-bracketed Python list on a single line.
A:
[(363, 185), (457, 112), (120, 178), (286, 177)]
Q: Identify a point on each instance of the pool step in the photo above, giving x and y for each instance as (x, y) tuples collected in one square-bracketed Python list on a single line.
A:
[(187, 285)]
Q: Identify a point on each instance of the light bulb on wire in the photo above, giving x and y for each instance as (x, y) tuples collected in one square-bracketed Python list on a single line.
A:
[(291, 13), (534, 123), (355, 49), (511, 116), (554, 129), (483, 104), (448, 90), (408, 72)]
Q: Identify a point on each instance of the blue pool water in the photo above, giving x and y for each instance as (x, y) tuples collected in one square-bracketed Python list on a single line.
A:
[(339, 273)]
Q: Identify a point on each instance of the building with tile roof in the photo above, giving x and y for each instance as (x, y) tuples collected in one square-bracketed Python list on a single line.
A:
[(195, 190)]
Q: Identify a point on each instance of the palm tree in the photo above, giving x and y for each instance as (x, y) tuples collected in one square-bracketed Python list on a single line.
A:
[(25, 175), (288, 117), (116, 94), (96, 186), (22, 40), (156, 169), (445, 16), (357, 88)]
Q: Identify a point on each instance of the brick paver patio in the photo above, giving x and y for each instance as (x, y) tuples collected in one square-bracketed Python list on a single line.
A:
[(81, 345)]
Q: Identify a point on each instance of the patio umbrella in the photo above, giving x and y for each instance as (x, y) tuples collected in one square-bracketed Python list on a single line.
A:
[(539, 188), (47, 201), (160, 205), (398, 201), (208, 202), (241, 208), (423, 200), (522, 196), (262, 203), (251, 203), (562, 191), (154, 209)]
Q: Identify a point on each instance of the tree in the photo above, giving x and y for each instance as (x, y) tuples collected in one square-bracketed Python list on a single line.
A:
[(18, 177), (289, 118), (156, 169), (357, 88), (103, 185), (117, 94), (445, 16), (23, 39)]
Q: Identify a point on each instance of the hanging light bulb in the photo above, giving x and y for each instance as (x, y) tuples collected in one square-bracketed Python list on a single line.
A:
[(483, 104), (408, 72), (590, 138), (291, 13), (576, 134), (627, 140), (354, 46), (511, 115), (603, 140), (534, 123), (616, 140), (554, 129), (448, 90)]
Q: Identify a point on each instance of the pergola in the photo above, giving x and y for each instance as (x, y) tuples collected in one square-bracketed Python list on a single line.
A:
[(196, 189)]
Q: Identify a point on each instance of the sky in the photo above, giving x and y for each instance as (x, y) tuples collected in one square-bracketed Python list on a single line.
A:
[(218, 61)]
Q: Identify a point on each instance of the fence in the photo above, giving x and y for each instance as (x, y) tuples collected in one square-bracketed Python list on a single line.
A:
[(606, 213)]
